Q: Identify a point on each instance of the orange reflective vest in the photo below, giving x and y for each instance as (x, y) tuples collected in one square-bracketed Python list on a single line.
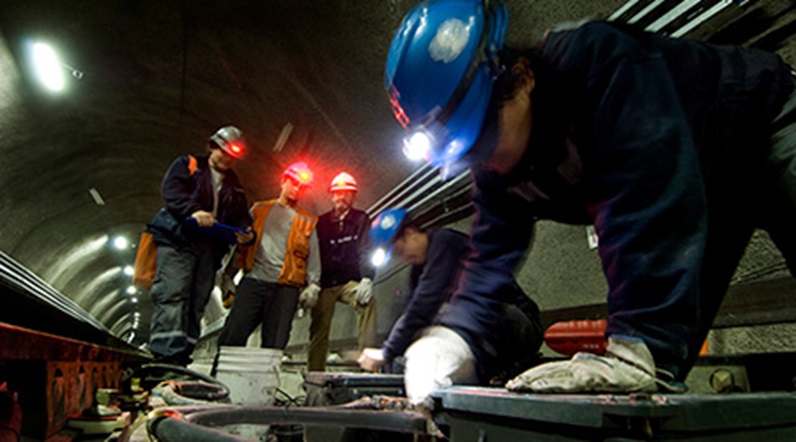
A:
[(294, 269)]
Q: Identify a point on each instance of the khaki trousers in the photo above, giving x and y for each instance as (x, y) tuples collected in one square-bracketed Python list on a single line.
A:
[(322, 320)]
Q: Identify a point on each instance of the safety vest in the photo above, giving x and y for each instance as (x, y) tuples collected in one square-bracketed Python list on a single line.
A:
[(294, 269), (146, 259)]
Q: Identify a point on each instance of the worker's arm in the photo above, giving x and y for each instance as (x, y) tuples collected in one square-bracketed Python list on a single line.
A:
[(500, 235), (443, 265), (178, 190), (366, 268), (314, 260), (647, 192)]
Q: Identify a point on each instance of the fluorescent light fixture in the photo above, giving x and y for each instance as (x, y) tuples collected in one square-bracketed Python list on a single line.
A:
[(48, 67), (283, 136), (96, 196), (120, 242)]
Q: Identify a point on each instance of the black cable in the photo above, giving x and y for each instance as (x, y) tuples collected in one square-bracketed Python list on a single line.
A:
[(290, 399), (221, 392)]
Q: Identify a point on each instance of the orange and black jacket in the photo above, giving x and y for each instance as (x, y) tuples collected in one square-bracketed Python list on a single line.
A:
[(186, 188), (294, 269)]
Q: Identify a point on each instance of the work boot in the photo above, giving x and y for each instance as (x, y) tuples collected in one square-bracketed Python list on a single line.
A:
[(627, 367)]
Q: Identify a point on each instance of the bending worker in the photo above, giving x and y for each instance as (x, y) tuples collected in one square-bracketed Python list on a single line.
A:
[(198, 192), (346, 272), (281, 265), (654, 140), (437, 257)]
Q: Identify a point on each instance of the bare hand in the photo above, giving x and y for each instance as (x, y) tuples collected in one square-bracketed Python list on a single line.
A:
[(245, 238), (204, 218)]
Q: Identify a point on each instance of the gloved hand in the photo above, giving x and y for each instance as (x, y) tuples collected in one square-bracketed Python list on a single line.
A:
[(364, 291), (627, 367), (371, 359), (309, 296), (439, 358), (228, 289)]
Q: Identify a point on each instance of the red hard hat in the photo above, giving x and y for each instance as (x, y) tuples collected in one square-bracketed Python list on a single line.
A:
[(343, 181), (300, 172)]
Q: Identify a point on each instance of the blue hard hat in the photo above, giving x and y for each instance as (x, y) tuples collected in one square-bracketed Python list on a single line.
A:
[(440, 72), (382, 233)]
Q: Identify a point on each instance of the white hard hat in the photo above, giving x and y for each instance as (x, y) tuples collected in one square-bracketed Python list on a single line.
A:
[(343, 181)]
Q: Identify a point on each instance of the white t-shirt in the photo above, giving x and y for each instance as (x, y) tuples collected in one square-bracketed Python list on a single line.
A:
[(217, 178)]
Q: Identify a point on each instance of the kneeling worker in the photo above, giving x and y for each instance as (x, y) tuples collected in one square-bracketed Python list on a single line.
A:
[(437, 257)]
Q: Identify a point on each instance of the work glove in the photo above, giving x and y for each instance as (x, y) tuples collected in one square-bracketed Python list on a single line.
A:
[(439, 358), (228, 290), (309, 296), (627, 367), (364, 291), (371, 359), (225, 278)]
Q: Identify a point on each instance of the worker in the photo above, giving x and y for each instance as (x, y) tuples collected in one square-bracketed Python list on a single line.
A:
[(346, 272), (199, 192), (437, 257), (654, 140), (281, 266)]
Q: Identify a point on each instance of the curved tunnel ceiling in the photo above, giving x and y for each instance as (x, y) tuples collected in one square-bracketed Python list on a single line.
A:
[(150, 80)]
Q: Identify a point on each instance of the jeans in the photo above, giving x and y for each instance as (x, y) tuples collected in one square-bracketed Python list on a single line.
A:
[(180, 291), (257, 302)]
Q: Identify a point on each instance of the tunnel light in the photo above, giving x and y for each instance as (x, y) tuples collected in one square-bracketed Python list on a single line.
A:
[(379, 257), (48, 67), (120, 242), (416, 147), (134, 300), (128, 270), (131, 290)]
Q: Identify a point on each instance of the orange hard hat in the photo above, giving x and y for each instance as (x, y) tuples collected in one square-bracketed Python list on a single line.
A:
[(343, 181)]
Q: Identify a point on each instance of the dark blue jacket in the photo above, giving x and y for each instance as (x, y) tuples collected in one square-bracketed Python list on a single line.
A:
[(634, 133), (345, 247), (433, 283), (185, 192)]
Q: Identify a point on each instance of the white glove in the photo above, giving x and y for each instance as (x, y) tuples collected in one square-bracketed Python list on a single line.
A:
[(228, 289), (371, 359), (309, 296), (439, 358), (364, 291), (627, 367)]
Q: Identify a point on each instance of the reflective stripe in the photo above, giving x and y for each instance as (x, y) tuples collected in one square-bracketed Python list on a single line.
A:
[(170, 334)]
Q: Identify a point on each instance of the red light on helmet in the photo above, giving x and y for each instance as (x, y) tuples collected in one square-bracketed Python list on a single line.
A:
[(234, 148)]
